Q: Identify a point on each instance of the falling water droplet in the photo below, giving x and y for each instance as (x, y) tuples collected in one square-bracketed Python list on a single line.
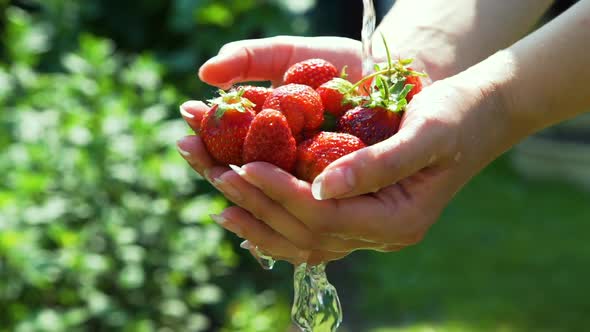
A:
[(265, 260)]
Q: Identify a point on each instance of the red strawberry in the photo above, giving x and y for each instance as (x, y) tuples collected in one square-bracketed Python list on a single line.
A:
[(312, 72), (335, 96), (379, 117), (257, 95), (371, 125), (225, 125), (269, 139), (316, 153), (300, 104), (416, 82)]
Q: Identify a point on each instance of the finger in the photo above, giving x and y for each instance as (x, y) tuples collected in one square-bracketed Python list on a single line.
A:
[(277, 217), (268, 59), (356, 218), (416, 146), (257, 253), (192, 149), (314, 258), (245, 225), (262, 207), (319, 257), (193, 111), (288, 191)]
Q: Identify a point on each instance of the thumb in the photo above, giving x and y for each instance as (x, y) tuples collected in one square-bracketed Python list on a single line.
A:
[(419, 144), (267, 59), (249, 60)]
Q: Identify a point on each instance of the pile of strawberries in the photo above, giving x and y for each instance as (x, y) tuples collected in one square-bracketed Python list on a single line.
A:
[(292, 126)]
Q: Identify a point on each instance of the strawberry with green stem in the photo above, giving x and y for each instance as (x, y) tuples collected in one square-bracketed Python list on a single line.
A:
[(225, 125), (379, 115), (337, 95)]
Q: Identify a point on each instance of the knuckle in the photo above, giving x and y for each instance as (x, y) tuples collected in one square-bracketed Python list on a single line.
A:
[(260, 212), (306, 243), (321, 227)]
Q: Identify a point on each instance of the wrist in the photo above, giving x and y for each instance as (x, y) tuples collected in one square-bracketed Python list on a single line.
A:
[(432, 51), (492, 116)]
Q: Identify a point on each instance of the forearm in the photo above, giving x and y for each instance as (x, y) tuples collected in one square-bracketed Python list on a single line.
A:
[(450, 36), (539, 81), (552, 70)]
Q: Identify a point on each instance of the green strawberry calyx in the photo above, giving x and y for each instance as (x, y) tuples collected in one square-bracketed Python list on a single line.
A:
[(346, 89), (389, 95), (388, 90), (231, 100)]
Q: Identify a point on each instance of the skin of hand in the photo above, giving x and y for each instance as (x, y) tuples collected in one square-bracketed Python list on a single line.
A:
[(451, 36), (267, 60), (450, 131), (269, 201)]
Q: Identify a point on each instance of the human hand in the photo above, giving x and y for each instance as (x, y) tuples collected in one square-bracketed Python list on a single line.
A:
[(264, 60), (413, 176), (268, 59)]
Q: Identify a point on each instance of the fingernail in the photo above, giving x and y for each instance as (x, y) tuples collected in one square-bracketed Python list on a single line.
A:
[(238, 170), (185, 113), (185, 154), (227, 189), (221, 57), (223, 222), (207, 175), (182, 149), (220, 220), (333, 183), (246, 245)]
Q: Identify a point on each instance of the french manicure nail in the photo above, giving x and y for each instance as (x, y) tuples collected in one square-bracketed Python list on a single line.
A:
[(185, 154), (218, 59), (227, 189), (238, 170), (316, 187), (185, 113), (223, 222), (207, 175), (246, 245), (333, 183), (220, 220)]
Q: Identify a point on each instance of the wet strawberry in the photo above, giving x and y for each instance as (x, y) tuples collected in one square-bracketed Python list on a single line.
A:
[(336, 95), (225, 125), (316, 153), (257, 95), (269, 139), (416, 81), (312, 72), (371, 125), (301, 105)]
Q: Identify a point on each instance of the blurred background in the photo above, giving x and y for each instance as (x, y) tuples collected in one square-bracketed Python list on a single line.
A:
[(103, 227)]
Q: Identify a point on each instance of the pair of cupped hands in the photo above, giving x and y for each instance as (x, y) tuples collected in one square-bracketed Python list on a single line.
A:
[(383, 197)]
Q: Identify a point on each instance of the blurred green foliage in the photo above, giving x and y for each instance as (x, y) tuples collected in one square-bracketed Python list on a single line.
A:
[(182, 34), (103, 227)]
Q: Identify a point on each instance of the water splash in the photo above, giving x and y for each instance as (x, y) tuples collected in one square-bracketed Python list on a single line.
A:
[(316, 307), (369, 22)]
